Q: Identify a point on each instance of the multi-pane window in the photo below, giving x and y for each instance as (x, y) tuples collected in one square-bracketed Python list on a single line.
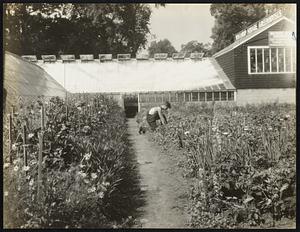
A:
[(186, 96), (264, 60)]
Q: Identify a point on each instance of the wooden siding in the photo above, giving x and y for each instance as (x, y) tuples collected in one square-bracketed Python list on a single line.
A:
[(226, 61), (243, 80)]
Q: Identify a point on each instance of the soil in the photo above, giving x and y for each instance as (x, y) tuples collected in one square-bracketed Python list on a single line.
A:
[(163, 186)]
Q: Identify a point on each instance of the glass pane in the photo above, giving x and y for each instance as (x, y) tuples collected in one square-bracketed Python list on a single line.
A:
[(202, 97), (267, 59), (195, 96), (223, 96), (259, 60), (294, 57), (151, 98), (280, 60), (230, 96), (252, 61), (273, 60), (217, 96), (209, 96), (159, 97), (180, 97), (173, 97), (187, 96), (288, 59), (142, 98), (166, 97)]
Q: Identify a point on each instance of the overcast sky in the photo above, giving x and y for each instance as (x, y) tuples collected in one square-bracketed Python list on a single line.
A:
[(181, 23)]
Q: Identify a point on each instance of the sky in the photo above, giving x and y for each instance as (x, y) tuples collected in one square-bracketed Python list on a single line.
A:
[(181, 23)]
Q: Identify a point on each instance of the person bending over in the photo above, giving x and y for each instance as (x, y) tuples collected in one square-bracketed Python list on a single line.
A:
[(157, 113)]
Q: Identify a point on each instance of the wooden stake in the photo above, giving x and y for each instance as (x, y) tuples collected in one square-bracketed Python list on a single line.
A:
[(12, 112), (24, 145), (67, 112), (40, 160), (10, 137), (42, 118)]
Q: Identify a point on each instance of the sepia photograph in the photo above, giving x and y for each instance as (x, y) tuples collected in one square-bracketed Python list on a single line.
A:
[(149, 115)]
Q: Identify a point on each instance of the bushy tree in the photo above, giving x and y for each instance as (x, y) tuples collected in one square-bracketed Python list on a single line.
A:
[(40, 28), (195, 46), (162, 46), (230, 19)]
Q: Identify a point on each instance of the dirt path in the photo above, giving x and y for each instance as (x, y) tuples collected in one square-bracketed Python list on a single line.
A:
[(164, 188)]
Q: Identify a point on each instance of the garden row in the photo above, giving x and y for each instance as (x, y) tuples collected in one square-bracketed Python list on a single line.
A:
[(242, 161), (67, 165)]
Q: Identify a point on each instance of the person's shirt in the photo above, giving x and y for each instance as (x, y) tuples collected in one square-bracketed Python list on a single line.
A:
[(157, 110)]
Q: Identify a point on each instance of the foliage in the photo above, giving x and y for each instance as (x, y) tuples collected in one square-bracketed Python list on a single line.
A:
[(232, 18), (162, 46), (44, 28), (86, 168), (243, 159), (195, 46)]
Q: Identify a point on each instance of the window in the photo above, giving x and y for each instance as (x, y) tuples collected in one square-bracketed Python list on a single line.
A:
[(230, 96), (267, 55), (259, 55), (187, 97), (143, 98), (252, 60), (264, 60), (173, 97), (288, 61), (202, 96), (180, 97), (195, 96), (294, 57), (281, 59), (273, 60), (223, 96), (151, 98), (216, 96), (166, 97), (209, 96), (159, 97)]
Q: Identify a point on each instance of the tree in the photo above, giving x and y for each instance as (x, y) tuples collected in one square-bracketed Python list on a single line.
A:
[(195, 46), (288, 10), (162, 46), (232, 18), (39, 28)]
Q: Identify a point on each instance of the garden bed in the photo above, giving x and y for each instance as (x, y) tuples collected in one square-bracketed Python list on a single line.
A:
[(243, 160)]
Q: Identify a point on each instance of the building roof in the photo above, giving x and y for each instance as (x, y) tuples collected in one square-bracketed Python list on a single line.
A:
[(22, 78), (249, 36), (139, 76)]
